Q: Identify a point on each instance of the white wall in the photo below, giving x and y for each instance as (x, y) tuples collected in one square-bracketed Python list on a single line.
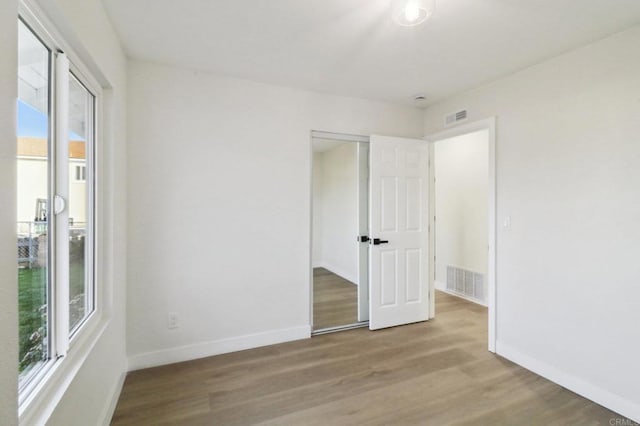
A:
[(8, 275), (568, 149), (336, 212), (219, 207), (461, 173)]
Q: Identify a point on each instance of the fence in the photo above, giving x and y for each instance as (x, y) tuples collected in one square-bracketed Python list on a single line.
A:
[(32, 241), (29, 234)]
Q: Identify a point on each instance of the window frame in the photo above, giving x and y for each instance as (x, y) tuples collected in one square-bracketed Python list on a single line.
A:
[(25, 384), (88, 173), (40, 392)]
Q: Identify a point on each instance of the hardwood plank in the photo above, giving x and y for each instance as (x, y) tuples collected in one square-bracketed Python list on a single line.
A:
[(432, 373)]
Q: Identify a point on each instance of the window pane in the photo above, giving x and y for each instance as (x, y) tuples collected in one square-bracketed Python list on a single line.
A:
[(33, 193), (80, 195)]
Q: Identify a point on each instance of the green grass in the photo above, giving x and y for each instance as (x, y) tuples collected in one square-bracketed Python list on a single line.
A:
[(32, 315), (32, 297)]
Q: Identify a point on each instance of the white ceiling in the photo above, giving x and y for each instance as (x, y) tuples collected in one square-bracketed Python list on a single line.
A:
[(351, 47)]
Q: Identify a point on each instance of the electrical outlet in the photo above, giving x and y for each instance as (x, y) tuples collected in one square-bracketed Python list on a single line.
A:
[(172, 320)]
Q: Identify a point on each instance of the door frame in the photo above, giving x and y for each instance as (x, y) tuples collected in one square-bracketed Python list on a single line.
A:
[(345, 137), (459, 130)]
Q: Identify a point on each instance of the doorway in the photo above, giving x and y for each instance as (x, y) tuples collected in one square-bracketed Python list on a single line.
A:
[(463, 216), (395, 245), (340, 286), (461, 236)]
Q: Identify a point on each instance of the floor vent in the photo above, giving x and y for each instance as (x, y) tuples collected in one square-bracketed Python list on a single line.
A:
[(455, 117), (466, 283)]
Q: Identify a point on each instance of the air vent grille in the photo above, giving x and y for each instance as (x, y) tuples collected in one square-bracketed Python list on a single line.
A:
[(451, 278), (466, 283), (455, 117)]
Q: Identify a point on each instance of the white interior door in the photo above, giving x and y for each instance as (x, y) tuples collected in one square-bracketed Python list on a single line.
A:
[(399, 250)]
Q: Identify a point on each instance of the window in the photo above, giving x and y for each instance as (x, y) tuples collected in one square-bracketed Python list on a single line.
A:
[(80, 173), (55, 205)]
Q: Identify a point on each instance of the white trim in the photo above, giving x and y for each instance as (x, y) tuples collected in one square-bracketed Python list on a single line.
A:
[(42, 401), (318, 134), (592, 392), (462, 129), (310, 230), (432, 233), (60, 289), (110, 407), (353, 279), (217, 347), (461, 296)]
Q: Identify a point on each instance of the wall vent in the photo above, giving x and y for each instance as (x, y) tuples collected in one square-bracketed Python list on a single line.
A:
[(478, 285), (451, 278), (455, 117), (465, 283)]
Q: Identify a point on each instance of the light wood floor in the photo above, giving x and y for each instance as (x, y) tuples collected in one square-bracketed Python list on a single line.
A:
[(434, 373), (335, 300)]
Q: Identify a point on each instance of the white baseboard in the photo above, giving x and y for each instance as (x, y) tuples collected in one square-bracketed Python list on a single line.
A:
[(217, 347), (353, 279), (596, 394), (444, 289), (110, 407)]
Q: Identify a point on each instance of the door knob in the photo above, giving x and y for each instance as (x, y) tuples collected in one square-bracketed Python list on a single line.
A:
[(378, 241)]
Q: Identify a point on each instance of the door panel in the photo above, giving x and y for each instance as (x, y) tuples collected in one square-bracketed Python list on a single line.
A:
[(399, 202), (388, 200), (388, 277), (412, 288)]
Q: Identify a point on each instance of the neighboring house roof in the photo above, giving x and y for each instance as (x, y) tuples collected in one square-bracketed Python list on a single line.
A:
[(32, 134), (37, 147)]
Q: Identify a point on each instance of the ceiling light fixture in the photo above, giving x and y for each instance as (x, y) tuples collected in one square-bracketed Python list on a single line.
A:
[(409, 13)]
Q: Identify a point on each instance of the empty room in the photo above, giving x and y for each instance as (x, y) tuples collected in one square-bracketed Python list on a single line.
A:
[(336, 212)]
